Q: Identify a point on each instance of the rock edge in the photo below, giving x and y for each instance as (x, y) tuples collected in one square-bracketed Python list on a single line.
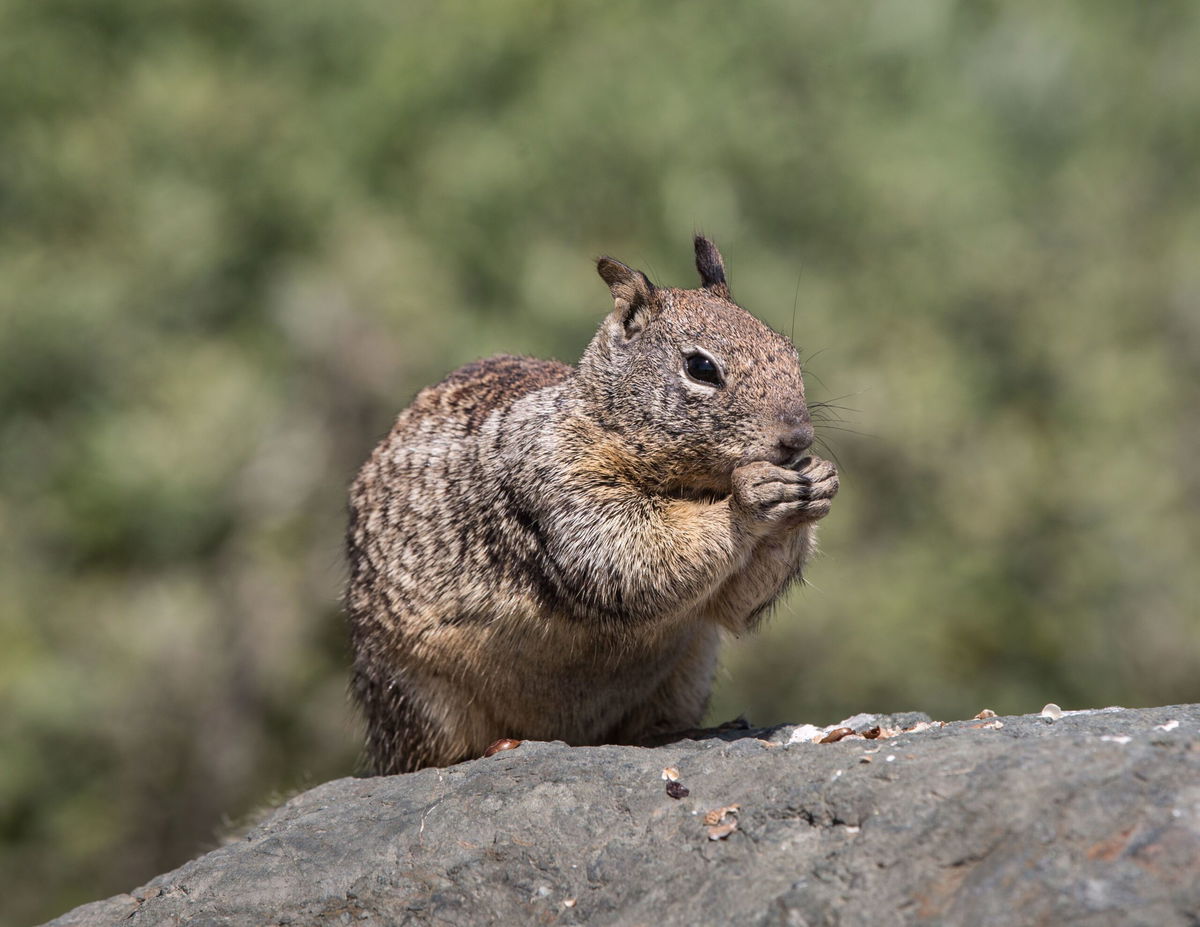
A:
[(1090, 818)]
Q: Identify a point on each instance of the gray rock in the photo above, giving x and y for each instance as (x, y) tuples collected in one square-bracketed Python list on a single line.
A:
[(1090, 819)]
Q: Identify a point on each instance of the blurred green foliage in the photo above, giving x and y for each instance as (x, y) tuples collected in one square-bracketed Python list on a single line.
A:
[(237, 235)]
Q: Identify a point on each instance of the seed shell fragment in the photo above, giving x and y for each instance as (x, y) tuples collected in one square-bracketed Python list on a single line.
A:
[(505, 743)]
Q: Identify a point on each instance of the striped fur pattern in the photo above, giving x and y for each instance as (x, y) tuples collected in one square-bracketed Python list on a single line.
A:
[(542, 551)]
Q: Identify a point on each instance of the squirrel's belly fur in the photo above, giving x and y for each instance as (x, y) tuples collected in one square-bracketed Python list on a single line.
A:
[(528, 560)]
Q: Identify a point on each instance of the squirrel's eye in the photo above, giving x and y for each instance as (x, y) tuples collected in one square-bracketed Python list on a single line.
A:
[(700, 367)]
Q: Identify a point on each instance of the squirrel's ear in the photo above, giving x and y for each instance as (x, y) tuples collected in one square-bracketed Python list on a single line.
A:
[(632, 292), (711, 267)]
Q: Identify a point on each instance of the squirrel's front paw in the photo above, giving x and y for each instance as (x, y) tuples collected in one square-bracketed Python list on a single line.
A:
[(773, 495)]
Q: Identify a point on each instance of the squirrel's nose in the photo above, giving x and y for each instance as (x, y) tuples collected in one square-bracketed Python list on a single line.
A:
[(796, 439)]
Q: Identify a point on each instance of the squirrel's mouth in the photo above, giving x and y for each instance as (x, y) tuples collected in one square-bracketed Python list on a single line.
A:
[(790, 458), (798, 461)]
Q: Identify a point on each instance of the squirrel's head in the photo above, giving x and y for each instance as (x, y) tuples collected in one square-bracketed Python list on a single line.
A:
[(692, 381)]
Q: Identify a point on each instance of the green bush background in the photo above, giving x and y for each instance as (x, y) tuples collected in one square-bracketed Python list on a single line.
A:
[(237, 235)]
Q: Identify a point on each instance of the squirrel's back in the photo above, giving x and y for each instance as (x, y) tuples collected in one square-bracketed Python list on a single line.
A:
[(467, 396)]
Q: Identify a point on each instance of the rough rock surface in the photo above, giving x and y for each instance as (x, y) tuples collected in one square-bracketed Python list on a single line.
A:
[(1093, 818)]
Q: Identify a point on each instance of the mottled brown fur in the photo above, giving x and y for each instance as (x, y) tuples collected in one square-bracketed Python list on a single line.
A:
[(551, 552)]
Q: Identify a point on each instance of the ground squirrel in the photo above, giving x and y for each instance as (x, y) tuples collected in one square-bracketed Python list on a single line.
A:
[(551, 552)]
